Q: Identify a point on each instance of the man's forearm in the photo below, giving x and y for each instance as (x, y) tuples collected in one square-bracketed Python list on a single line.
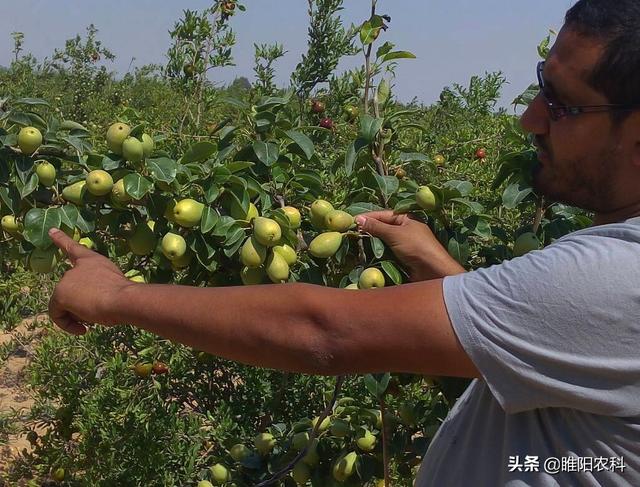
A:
[(271, 326), (437, 266)]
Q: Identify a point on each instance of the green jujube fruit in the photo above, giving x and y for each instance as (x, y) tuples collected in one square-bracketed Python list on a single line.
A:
[(345, 466), (318, 210), (132, 150), (277, 268), (75, 193), (173, 246), (287, 252), (525, 243), (425, 198), (43, 261), (338, 221), (251, 276), (325, 245), (253, 254), (147, 145), (143, 241), (266, 231), (116, 135)]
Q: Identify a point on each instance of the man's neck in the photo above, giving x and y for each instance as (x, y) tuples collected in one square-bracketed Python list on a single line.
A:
[(616, 216)]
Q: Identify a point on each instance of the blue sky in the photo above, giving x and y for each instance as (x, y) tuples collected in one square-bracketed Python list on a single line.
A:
[(453, 40)]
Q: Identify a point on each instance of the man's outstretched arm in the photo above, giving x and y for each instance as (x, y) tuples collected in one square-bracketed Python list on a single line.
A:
[(295, 327)]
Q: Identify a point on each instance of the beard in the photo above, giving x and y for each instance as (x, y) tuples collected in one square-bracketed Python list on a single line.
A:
[(586, 183)]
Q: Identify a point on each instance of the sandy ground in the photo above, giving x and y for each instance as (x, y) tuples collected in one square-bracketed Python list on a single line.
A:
[(14, 395)]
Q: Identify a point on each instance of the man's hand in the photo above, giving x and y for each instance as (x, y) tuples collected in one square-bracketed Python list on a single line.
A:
[(412, 242), (87, 292)]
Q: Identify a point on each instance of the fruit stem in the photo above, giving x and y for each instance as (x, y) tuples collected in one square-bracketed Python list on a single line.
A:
[(539, 213), (367, 61), (385, 450), (362, 256)]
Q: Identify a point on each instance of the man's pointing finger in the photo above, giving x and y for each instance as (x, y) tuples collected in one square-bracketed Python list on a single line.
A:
[(69, 246)]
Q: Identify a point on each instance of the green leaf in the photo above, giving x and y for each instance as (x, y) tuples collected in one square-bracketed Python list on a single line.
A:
[(377, 384), (163, 169), (198, 152), (212, 192), (478, 225), (377, 246), (383, 92), (369, 127), (463, 187), (71, 125), (69, 215), (310, 179), (86, 220), (398, 55), (224, 222), (352, 154), (271, 102), (30, 186), (19, 118), (234, 240), (458, 248), (387, 184), (392, 271), (224, 153), (302, 141), (237, 166), (31, 102), (78, 144), (235, 102), (266, 152), (413, 156), (239, 194), (406, 205), (362, 207), (38, 222), (227, 134), (514, 194), (473, 205), (137, 186), (370, 29), (108, 162), (264, 121), (384, 49), (221, 175), (209, 219), (11, 198)]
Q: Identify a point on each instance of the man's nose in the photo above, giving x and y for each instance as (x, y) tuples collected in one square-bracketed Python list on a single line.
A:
[(535, 119)]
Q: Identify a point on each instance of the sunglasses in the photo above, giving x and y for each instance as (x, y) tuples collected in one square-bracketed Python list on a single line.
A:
[(558, 111)]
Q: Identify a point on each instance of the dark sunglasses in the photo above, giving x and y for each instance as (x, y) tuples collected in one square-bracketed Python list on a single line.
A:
[(558, 111)]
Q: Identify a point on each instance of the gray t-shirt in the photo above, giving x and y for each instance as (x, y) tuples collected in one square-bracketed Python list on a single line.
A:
[(555, 335)]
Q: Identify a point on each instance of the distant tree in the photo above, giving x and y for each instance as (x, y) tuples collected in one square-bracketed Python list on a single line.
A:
[(240, 84)]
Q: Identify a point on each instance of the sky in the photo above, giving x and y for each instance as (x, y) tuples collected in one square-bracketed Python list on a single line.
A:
[(452, 39)]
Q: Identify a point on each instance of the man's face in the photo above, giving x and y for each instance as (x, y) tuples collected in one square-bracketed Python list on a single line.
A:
[(579, 156)]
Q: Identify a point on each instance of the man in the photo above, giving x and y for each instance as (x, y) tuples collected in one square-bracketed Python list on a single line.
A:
[(553, 337)]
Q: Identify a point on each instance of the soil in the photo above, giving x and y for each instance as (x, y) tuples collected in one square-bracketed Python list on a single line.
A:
[(14, 392)]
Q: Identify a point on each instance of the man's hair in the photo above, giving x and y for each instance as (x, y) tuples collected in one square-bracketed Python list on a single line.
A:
[(616, 23)]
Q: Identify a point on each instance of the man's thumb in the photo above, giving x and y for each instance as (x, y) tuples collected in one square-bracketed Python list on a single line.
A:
[(373, 226)]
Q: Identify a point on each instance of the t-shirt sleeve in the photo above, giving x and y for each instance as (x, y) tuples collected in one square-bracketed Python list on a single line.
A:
[(559, 327)]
